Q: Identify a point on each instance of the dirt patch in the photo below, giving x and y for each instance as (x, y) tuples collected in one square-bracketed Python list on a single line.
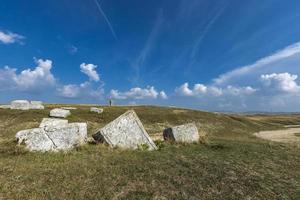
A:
[(291, 135)]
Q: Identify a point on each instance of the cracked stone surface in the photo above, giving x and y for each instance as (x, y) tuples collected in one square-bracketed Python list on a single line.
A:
[(184, 133), (96, 110), (126, 131), (60, 113), (53, 135)]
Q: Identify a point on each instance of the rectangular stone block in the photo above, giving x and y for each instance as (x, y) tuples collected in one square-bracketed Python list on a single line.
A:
[(60, 113), (96, 110), (126, 131), (20, 105), (184, 133)]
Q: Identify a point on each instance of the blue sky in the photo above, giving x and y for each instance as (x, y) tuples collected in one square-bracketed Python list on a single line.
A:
[(227, 55)]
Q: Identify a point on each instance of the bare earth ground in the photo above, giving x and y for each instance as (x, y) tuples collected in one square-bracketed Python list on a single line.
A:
[(290, 135), (231, 164)]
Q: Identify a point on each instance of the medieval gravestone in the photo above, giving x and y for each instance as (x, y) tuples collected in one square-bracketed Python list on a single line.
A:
[(184, 133), (126, 131)]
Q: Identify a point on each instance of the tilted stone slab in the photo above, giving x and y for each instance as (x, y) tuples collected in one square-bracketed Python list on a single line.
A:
[(53, 138), (96, 110), (58, 112), (184, 133), (126, 131)]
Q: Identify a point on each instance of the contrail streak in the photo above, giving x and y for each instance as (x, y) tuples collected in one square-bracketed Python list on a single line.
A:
[(106, 19)]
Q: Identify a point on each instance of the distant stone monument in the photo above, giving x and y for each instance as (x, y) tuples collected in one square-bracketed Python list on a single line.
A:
[(25, 105), (184, 133), (126, 131), (96, 110), (53, 135), (60, 113)]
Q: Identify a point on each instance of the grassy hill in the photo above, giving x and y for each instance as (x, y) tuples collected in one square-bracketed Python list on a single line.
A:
[(233, 164)]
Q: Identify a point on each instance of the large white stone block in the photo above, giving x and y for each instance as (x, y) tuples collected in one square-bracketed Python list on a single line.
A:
[(184, 133), (53, 138), (20, 105)]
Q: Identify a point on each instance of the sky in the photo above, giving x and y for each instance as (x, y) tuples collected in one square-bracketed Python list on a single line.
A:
[(215, 55)]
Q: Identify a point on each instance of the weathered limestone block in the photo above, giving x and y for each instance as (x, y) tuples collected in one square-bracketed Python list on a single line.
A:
[(20, 105), (61, 113), (183, 133), (53, 138), (126, 131), (96, 110), (35, 140), (36, 105)]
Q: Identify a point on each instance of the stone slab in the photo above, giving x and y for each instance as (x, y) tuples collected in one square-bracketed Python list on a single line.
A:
[(126, 131), (20, 105), (96, 110), (60, 113), (184, 133)]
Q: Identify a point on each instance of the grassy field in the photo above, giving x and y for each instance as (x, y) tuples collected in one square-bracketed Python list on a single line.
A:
[(233, 164)]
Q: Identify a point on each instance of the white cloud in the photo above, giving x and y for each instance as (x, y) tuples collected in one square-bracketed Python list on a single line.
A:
[(138, 93), (200, 90), (69, 91), (284, 82), (266, 62), (28, 80), (83, 90), (9, 37), (163, 95), (90, 71)]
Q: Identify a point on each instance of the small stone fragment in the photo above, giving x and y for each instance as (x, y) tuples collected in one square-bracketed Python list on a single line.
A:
[(96, 110)]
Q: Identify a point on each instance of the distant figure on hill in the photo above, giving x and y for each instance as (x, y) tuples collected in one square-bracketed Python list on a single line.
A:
[(110, 102)]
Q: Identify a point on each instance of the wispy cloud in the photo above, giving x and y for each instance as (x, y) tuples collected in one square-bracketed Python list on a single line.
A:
[(106, 19), (264, 62), (206, 29), (9, 37), (140, 60)]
